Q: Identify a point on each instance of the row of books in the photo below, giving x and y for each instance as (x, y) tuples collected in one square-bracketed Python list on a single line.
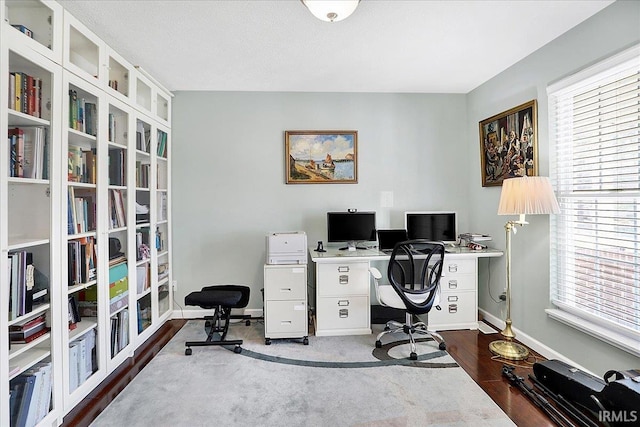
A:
[(81, 210), (144, 313), (83, 115), (28, 287), (111, 128), (30, 395), (142, 174), (142, 277), (117, 212), (25, 94), (143, 138), (81, 260), (28, 329), (117, 166), (119, 331), (28, 152), (82, 165), (82, 359), (162, 144)]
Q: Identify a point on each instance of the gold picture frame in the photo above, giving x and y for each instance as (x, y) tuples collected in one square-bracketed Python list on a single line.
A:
[(509, 144), (321, 156)]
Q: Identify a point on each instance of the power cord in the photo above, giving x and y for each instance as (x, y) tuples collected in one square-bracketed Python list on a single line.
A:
[(497, 301)]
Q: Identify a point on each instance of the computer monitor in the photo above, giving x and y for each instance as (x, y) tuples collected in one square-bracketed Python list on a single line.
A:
[(437, 226), (351, 227)]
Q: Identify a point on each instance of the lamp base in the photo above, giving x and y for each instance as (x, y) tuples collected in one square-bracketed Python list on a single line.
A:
[(509, 350)]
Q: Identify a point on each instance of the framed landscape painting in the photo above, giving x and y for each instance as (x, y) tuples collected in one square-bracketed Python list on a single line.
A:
[(509, 144), (321, 156)]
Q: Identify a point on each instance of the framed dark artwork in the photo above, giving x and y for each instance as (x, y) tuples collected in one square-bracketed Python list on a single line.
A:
[(509, 144), (321, 156)]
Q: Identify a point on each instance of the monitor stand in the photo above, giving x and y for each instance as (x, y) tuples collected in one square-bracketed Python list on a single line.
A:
[(351, 246)]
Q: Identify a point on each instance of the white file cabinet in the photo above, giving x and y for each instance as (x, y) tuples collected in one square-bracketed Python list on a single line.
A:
[(458, 300), (342, 298), (285, 302)]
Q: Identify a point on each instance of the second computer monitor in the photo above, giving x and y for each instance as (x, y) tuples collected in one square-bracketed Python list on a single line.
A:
[(441, 226)]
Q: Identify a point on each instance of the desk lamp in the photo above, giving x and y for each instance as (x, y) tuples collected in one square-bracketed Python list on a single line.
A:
[(520, 196)]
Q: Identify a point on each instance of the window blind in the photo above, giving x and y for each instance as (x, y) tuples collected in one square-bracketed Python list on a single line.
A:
[(594, 119)]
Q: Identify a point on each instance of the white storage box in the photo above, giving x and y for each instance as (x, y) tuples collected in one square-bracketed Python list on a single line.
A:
[(287, 248)]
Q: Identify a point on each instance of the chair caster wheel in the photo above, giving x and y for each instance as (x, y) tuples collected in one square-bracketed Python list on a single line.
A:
[(248, 323), (413, 356), (305, 341), (237, 350), (187, 352), (442, 346), (386, 328), (267, 341), (378, 344)]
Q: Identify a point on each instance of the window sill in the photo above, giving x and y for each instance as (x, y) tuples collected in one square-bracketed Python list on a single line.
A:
[(611, 337)]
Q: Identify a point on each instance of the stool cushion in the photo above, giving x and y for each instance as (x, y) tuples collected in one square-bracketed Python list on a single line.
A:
[(231, 296)]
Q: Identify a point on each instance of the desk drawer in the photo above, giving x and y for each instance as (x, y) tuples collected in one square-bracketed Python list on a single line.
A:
[(343, 278), (343, 313), (285, 317), (285, 283), (459, 311), (459, 266), (458, 282)]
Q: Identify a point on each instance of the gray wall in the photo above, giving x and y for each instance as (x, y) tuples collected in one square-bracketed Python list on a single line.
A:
[(229, 191), (228, 172), (613, 29)]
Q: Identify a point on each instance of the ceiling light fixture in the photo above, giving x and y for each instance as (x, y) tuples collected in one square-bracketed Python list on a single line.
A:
[(331, 10)]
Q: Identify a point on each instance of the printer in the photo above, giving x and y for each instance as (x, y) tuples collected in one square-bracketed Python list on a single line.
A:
[(287, 248)]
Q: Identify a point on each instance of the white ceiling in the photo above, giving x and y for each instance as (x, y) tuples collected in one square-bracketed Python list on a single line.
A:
[(277, 45)]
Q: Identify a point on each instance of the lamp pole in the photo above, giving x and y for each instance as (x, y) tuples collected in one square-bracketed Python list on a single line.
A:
[(507, 348)]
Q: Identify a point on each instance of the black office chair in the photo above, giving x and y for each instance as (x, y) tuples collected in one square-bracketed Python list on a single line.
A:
[(222, 298), (414, 273)]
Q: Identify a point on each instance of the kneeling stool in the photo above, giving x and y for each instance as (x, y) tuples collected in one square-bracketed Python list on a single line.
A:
[(222, 298)]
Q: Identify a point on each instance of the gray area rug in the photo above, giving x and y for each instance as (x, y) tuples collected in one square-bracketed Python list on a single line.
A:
[(333, 381)]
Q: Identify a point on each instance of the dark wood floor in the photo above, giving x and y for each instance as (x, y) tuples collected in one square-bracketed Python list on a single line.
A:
[(469, 348)]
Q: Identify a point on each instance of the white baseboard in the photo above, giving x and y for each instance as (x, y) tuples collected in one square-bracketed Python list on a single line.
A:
[(531, 342)]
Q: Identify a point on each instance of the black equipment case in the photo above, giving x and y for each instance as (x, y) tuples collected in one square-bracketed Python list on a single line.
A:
[(571, 383), (621, 393)]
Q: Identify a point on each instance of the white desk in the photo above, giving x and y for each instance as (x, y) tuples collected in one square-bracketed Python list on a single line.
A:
[(343, 286)]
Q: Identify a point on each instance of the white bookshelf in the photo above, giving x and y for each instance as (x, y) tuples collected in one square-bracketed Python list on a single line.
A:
[(64, 55)]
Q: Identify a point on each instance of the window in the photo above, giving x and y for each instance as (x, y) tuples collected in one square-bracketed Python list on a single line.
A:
[(594, 119)]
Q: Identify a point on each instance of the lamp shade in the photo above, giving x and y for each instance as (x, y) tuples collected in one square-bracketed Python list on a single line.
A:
[(527, 195), (331, 10)]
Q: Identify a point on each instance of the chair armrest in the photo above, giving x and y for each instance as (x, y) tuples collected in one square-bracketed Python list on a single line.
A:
[(375, 273)]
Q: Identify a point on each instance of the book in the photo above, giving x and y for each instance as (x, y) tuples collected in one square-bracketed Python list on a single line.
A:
[(23, 29), (31, 337), (17, 152), (24, 399)]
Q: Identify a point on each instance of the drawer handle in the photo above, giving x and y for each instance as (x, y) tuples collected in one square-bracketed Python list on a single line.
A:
[(343, 279), (285, 322), (343, 313), (343, 269), (453, 308), (453, 284), (452, 298), (343, 303), (453, 268), (285, 289)]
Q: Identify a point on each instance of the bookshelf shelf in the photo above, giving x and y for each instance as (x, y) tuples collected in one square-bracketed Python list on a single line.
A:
[(25, 349), (103, 133), (17, 118), (24, 360)]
